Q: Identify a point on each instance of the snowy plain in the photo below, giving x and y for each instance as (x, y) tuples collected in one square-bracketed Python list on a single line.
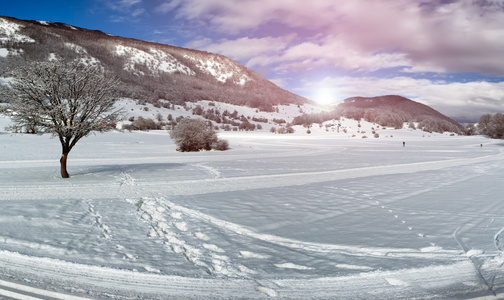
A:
[(301, 216)]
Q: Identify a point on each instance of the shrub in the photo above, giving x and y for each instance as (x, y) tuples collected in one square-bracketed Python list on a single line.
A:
[(142, 124), (222, 145), (195, 135)]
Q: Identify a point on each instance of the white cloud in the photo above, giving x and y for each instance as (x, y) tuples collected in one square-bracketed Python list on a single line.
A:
[(167, 6), (138, 12), (122, 5), (130, 9), (462, 36), (333, 52), (243, 48), (279, 82)]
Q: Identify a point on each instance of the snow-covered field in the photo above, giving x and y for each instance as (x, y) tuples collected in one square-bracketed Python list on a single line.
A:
[(319, 216)]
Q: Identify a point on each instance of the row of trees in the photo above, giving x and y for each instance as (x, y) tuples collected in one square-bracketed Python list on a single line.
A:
[(379, 116), (233, 119), (490, 125)]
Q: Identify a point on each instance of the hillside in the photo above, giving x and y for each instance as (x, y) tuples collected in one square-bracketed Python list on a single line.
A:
[(391, 111), (147, 71)]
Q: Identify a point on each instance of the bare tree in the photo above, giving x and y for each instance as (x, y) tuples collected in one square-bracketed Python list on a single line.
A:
[(68, 100)]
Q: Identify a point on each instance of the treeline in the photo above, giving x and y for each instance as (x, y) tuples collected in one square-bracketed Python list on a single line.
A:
[(385, 118), (229, 121), (489, 125)]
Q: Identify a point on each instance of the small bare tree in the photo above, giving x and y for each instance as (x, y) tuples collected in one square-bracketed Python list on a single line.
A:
[(69, 100), (196, 135)]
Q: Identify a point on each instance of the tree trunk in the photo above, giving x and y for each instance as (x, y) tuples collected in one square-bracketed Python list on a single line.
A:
[(63, 162)]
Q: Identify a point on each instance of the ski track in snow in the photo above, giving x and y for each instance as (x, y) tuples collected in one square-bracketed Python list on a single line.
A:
[(190, 234)]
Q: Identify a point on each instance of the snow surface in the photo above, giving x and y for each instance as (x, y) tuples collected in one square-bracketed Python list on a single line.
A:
[(85, 58), (303, 216), (156, 61), (221, 68), (9, 32)]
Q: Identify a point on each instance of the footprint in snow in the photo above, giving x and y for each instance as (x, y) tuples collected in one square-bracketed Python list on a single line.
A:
[(212, 247), (182, 226), (201, 236), (267, 291), (248, 254), (499, 240)]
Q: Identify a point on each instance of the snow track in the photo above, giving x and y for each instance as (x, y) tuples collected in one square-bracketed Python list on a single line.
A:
[(19, 291), (283, 218), (217, 183), (420, 283)]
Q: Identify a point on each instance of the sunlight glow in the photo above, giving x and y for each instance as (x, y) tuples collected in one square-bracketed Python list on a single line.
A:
[(326, 96)]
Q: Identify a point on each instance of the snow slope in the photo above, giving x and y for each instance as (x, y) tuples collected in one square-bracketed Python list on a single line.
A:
[(318, 216)]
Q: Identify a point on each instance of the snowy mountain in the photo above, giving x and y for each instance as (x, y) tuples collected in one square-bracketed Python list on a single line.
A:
[(147, 71), (389, 111), (393, 110)]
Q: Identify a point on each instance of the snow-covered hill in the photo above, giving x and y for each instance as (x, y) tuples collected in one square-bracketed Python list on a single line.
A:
[(148, 71)]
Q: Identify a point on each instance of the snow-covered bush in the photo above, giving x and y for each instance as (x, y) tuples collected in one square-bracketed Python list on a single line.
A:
[(142, 124), (222, 145), (195, 135)]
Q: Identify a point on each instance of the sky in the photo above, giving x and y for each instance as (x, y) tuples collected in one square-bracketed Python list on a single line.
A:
[(444, 53)]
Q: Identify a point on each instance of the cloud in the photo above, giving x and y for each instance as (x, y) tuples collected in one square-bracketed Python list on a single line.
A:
[(451, 36), (123, 5), (243, 48), (465, 102), (167, 6), (125, 10), (279, 82), (117, 19), (138, 12), (335, 53)]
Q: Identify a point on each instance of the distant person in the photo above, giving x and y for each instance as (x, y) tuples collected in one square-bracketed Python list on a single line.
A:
[(403, 144), (481, 145)]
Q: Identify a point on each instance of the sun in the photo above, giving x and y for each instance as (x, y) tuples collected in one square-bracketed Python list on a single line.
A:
[(325, 96)]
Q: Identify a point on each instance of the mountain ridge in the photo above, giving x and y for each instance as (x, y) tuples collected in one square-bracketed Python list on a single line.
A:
[(148, 71)]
